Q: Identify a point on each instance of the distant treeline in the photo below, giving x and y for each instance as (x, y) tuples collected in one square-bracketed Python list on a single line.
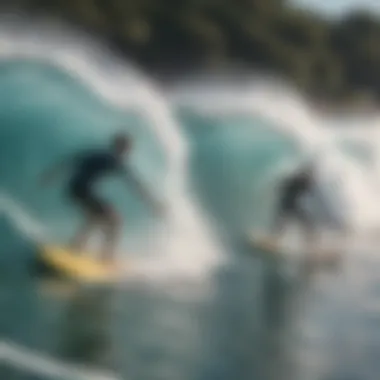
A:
[(333, 61)]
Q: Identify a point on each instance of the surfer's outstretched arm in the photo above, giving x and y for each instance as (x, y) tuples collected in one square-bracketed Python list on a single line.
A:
[(141, 190)]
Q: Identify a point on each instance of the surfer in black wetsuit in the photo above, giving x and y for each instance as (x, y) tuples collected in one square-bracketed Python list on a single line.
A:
[(87, 169), (293, 189)]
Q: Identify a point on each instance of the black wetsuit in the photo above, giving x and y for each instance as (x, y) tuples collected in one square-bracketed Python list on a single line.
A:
[(88, 168), (292, 190)]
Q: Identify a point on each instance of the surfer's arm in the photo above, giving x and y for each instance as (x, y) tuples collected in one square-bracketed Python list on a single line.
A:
[(140, 189)]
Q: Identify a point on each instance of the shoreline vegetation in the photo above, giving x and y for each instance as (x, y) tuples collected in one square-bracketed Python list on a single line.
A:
[(334, 62)]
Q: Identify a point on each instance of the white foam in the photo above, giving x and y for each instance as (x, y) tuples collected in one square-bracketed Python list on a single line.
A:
[(33, 362)]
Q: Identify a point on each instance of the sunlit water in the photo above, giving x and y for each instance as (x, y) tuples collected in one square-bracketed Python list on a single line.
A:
[(200, 303)]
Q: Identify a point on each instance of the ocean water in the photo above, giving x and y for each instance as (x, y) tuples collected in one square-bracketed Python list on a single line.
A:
[(198, 303)]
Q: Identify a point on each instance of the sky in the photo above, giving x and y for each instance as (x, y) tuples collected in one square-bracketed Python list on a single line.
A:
[(336, 8)]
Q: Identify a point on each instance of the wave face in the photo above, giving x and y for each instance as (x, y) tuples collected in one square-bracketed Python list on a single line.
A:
[(251, 136), (59, 95)]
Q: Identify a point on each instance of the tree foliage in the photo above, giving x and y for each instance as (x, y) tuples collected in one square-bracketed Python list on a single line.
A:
[(329, 59)]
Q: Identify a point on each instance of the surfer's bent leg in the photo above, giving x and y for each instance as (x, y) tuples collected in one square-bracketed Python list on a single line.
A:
[(112, 227), (101, 213), (310, 239), (83, 199), (81, 238), (280, 219), (98, 212), (111, 223), (307, 226)]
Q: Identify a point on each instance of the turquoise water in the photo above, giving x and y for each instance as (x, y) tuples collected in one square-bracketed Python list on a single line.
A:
[(246, 319), (232, 159), (46, 116)]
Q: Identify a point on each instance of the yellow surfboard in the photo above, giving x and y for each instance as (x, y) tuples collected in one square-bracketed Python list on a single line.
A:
[(77, 265)]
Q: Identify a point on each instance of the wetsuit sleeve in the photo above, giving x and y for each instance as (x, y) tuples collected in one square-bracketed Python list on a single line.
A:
[(132, 180)]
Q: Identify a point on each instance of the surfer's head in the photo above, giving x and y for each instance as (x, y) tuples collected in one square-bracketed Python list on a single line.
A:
[(121, 144)]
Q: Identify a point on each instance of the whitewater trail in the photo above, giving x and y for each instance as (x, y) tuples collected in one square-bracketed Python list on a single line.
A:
[(185, 243)]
